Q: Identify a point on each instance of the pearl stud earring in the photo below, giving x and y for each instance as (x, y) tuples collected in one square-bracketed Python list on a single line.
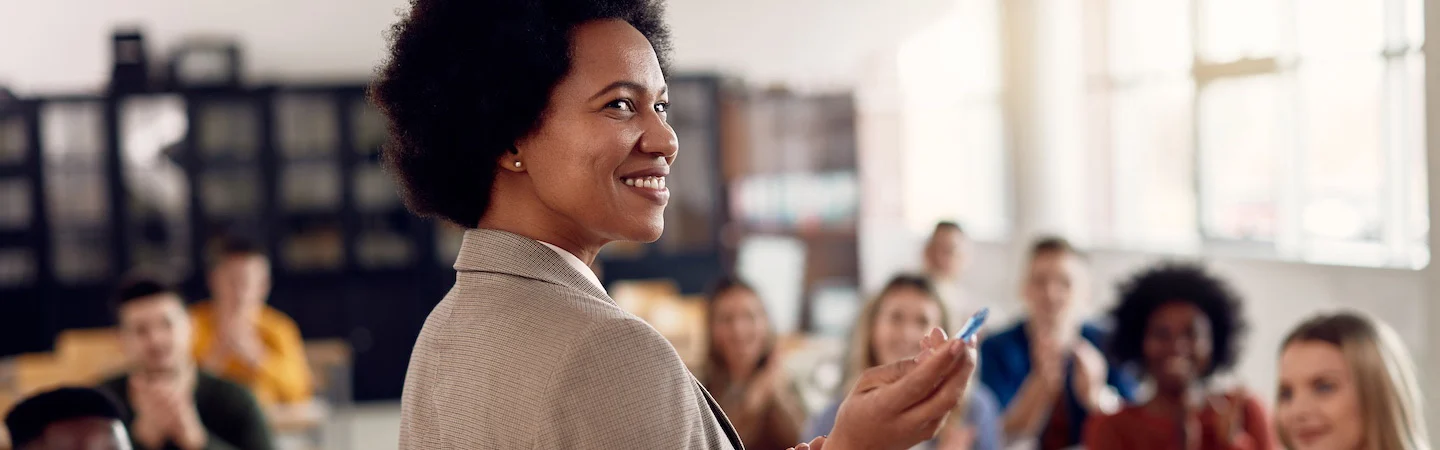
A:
[(517, 164)]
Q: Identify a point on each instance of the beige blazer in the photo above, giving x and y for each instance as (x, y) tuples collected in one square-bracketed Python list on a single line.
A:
[(526, 353)]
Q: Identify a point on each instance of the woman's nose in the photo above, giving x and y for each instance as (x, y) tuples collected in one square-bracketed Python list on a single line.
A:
[(659, 139)]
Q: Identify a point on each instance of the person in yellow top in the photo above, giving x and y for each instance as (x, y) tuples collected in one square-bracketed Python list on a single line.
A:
[(240, 338)]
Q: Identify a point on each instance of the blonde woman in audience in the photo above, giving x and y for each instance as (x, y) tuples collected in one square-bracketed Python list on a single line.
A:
[(890, 328), (743, 372), (1347, 383)]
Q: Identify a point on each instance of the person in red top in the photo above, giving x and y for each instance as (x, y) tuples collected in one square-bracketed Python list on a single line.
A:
[(1179, 325)]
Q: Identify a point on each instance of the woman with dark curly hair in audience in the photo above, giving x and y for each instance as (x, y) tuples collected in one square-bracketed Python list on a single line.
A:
[(1180, 326), (540, 126)]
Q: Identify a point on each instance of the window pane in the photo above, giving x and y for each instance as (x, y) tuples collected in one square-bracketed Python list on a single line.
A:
[(381, 244), (306, 125), (230, 193), (1412, 138), (72, 132), (1148, 37), (12, 140), (368, 126), (1333, 27), (954, 169), (374, 189), (1340, 135), (956, 57), (1153, 166), (311, 186), (315, 247), (229, 129), (1237, 29), (14, 204), (1242, 129), (17, 267)]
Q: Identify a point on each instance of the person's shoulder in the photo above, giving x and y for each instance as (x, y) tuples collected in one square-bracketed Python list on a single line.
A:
[(117, 386), (201, 309), (623, 334), (209, 386), (981, 397), (272, 318), (1095, 331), (1013, 335)]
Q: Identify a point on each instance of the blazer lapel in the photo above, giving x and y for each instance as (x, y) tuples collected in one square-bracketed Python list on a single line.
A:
[(498, 251), (725, 425)]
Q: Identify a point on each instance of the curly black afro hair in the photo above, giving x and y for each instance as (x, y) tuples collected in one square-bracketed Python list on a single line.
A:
[(466, 79), (1177, 282)]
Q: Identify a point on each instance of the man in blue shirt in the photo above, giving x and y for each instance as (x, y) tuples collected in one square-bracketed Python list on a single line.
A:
[(1047, 371)]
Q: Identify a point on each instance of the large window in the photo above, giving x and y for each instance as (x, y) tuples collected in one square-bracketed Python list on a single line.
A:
[(952, 134), (1277, 128)]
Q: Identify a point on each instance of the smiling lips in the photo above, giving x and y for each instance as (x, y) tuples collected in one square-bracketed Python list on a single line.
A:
[(656, 183)]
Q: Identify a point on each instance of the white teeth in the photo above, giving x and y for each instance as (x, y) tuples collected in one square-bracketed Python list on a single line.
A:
[(647, 182)]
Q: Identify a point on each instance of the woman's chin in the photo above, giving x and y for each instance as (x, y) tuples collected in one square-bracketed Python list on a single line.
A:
[(647, 232)]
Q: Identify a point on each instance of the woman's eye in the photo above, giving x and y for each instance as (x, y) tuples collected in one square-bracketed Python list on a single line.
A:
[(662, 107), (623, 105)]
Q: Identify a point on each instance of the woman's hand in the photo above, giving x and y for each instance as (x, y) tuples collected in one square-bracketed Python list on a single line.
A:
[(816, 444), (898, 405), (1230, 416)]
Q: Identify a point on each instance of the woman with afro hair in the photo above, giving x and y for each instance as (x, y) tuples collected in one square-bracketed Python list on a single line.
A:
[(1180, 326), (540, 127)]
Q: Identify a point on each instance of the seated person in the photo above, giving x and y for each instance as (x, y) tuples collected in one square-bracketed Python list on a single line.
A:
[(67, 418), (743, 372), (241, 339), (168, 402), (1181, 326), (1046, 371), (890, 329)]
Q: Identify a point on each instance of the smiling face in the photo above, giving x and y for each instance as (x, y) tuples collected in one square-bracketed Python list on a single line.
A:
[(1055, 287), (597, 163), (1177, 345), (739, 328), (1319, 400), (902, 318)]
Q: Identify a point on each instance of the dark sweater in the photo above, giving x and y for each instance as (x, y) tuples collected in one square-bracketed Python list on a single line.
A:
[(230, 415)]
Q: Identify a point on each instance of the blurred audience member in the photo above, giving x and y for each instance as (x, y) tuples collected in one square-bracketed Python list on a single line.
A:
[(67, 418), (947, 255), (890, 329), (239, 337), (1046, 371), (171, 404), (1181, 326), (743, 371), (1346, 382)]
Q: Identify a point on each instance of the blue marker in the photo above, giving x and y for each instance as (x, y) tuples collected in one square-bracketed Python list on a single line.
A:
[(973, 324)]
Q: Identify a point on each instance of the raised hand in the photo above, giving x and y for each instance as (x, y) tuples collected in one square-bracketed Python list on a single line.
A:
[(1088, 378)]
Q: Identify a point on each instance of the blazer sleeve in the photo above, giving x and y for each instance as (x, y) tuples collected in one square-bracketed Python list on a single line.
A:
[(617, 387)]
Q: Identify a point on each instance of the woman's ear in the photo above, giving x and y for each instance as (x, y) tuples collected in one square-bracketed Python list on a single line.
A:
[(511, 161)]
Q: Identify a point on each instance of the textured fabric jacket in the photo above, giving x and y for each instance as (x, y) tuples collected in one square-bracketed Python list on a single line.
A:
[(526, 353)]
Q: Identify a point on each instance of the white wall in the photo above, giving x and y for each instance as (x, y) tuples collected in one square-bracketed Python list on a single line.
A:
[(63, 45)]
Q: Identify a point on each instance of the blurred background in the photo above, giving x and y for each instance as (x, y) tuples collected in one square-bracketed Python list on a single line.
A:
[(1282, 142)]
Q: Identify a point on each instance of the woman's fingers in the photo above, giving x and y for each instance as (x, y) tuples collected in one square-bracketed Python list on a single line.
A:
[(917, 385), (948, 395)]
